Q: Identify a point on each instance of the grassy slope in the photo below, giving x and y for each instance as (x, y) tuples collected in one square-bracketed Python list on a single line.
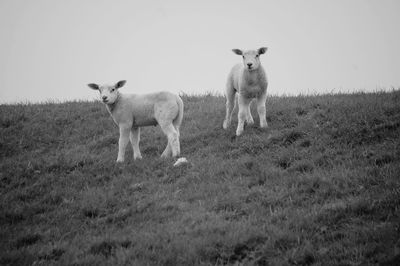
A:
[(321, 186)]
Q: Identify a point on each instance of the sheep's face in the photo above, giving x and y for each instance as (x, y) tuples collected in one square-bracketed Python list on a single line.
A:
[(251, 58), (108, 93)]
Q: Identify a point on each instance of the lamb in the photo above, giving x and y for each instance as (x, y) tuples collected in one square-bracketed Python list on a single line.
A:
[(131, 112), (249, 81)]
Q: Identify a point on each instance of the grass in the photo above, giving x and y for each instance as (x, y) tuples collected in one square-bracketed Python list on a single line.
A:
[(320, 186)]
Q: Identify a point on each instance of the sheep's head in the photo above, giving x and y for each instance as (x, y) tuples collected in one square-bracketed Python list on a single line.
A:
[(108, 93), (251, 58)]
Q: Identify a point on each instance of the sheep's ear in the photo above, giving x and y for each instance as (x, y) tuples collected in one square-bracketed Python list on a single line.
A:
[(237, 51), (120, 84), (93, 86), (262, 50)]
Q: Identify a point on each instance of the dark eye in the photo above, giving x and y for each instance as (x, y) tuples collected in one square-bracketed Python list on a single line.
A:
[(243, 56), (257, 55), (112, 90)]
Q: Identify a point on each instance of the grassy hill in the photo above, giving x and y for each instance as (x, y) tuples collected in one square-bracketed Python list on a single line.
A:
[(321, 186)]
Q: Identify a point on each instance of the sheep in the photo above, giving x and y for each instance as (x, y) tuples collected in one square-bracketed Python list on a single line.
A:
[(131, 112), (249, 81)]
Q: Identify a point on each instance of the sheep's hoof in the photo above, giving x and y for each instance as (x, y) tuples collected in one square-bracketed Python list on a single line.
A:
[(119, 161), (137, 158)]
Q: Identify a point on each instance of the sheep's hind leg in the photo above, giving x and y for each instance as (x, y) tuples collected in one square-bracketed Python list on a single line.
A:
[(242, 114), (167, 152), (135, 139), (249, 118), (173, 146), (261, 111), (230, 104)]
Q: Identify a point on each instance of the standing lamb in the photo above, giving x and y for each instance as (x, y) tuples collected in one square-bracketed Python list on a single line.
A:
[(249, 81), (131, 112)]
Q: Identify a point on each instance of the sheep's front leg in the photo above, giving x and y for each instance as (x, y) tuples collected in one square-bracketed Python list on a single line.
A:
[(135, 139), (261, 110), (243, 112), (123, 141)]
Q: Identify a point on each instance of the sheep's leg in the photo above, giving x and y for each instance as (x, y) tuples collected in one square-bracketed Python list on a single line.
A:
[(230, 104), (176, 128), (242, 114), (178, 132), (124, 131), (167, 152), (135, 139), (249, 118), (173, 145), (261, 110)]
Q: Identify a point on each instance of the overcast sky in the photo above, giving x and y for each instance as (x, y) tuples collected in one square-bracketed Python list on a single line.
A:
[(50, 49)]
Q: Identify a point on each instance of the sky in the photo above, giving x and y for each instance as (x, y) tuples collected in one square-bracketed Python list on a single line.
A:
[(51, 49)]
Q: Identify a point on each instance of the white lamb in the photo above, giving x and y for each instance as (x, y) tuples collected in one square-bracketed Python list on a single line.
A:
[(131, 111), (249, 81)]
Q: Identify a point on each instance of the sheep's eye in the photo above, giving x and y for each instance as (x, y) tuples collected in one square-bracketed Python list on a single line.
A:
[(112, 90), (243, 56), (257, 55)]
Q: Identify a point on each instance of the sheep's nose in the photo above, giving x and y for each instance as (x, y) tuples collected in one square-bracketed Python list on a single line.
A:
[(104, 98), (249, 64)]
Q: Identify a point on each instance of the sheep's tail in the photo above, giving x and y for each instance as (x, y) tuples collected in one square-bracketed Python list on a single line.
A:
[(178, 120)]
